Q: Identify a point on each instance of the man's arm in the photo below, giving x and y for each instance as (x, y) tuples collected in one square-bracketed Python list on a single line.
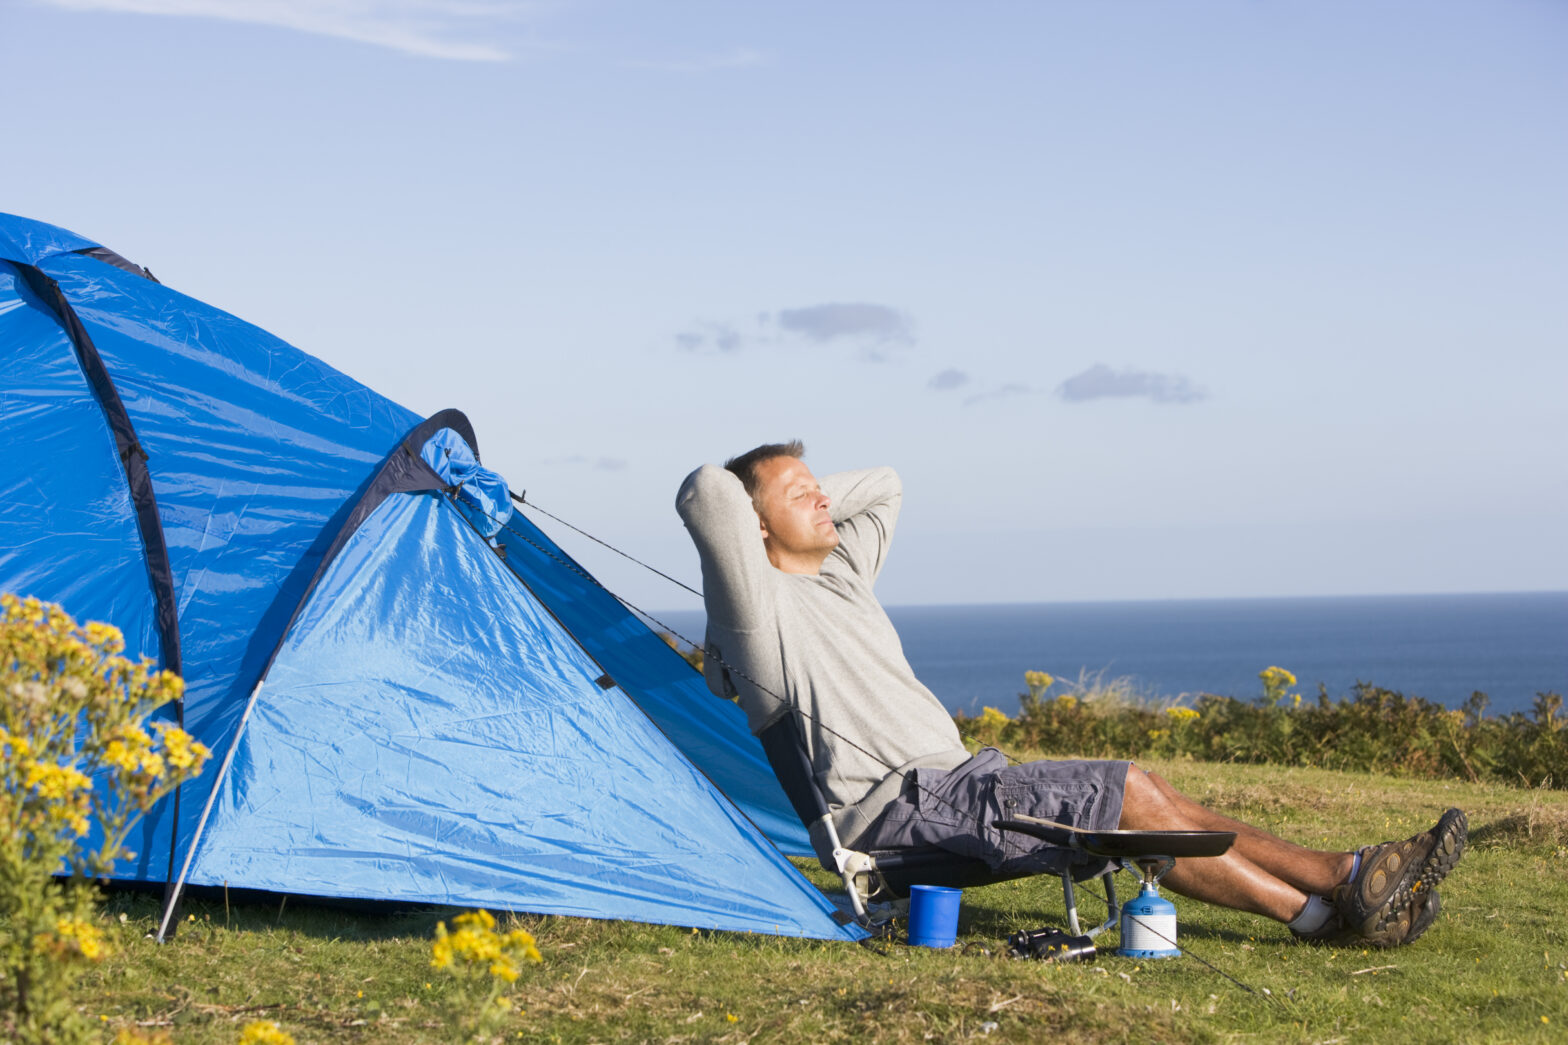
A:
[(737, 589), (724, 526), (865, 506)]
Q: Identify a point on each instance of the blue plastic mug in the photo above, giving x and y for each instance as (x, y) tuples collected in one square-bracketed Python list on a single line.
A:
[(933, 916)]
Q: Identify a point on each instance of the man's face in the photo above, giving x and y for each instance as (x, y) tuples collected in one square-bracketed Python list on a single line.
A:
[(796, 525)]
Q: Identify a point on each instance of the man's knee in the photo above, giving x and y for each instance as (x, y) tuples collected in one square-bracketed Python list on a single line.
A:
[(1145, 805)]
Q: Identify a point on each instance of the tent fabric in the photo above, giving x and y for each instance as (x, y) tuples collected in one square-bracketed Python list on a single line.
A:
[(67, 525), (340, 790), (262, 462), (482, 495), (711, 731)]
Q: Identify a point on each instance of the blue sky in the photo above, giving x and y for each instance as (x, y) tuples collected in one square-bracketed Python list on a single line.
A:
[(1144, 300)]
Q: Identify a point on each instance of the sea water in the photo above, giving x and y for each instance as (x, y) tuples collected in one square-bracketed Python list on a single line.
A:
[(1441, 647)]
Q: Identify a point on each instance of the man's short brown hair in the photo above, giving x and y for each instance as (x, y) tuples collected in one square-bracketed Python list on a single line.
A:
[(744, 467)]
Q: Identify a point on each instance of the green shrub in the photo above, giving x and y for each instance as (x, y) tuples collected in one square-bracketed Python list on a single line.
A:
[(72, 712), (1374, 730)]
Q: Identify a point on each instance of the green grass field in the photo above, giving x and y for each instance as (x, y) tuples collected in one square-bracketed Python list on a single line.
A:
[(1494, 968)]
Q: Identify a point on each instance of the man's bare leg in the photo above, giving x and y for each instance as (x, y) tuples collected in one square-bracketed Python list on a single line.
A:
[(1261, 873), (1310, 870)]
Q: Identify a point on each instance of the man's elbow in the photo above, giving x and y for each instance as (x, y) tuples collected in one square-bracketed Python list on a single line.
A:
[(705, 489)]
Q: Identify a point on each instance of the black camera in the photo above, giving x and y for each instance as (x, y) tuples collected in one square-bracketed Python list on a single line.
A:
[(1050, 945)]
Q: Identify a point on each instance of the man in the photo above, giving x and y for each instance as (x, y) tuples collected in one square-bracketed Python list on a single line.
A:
[(788, 566)]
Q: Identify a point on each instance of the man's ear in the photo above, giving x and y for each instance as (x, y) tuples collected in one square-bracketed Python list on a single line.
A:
[(763, 526)]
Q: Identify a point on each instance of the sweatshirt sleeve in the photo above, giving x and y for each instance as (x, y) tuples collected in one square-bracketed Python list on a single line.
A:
[(736, 573), (864, 507), (724, 526)]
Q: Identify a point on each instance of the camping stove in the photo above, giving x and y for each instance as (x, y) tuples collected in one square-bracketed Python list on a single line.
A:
[(1148, 919)]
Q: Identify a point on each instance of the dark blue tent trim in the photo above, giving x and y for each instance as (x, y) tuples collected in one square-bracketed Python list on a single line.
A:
[(139, 480), (132, 457), (403, 471), (108, 256)]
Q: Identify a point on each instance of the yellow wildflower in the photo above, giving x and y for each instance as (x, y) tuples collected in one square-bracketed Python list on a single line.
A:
[(993, 718), (1066, 701), (119, 756), (1179, 714), (441, 949), (105, 636), (1279, 677), (182, 750), (76, 938), (55, 783), (522, 941), (475, 944), (265, 1032)]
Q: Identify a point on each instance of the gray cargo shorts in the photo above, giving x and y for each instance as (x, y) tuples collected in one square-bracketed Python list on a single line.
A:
[(955, 809)]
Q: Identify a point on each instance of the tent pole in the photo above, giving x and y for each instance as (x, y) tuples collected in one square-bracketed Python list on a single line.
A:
[(173, 900)]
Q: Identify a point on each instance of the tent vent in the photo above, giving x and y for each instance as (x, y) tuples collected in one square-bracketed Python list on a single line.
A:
[(604, 682)]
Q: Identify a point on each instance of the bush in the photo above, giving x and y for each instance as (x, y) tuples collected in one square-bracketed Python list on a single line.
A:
[(75, 753), (1374, 729)]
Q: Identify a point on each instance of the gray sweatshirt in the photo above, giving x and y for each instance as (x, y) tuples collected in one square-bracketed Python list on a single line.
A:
[(822, 642)]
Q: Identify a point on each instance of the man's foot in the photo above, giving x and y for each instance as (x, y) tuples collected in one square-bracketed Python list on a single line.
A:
[(1332, 931), (1378, 904), (1408, 924), (1428, 907), (1405, 928)]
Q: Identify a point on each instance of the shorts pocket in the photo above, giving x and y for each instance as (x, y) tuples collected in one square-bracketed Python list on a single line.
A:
[(1061, 802)]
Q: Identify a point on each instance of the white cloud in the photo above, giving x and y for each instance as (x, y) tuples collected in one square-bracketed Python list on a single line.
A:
[(456, 30), (1101, 382)]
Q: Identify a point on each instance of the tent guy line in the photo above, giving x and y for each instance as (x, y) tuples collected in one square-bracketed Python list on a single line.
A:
[(522, 499)]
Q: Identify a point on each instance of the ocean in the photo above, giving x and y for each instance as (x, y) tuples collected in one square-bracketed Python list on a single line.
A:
[(1441, 647)]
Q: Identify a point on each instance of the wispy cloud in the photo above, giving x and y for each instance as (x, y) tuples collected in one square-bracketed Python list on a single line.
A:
[(735, 58), (948, 379), (1102, 382), (710, 336), (1006, 391), (870, 328), (829, 322), (460, 30)]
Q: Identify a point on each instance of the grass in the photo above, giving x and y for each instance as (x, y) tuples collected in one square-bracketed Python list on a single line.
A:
[(1494, 968)]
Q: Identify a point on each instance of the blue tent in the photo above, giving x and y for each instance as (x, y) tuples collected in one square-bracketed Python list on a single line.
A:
[(414, 693)]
